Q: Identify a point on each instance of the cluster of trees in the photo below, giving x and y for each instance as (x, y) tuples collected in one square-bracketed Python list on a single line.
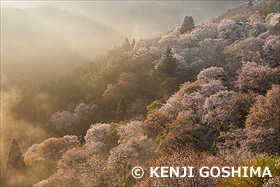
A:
[(204, 95), (269, 6)]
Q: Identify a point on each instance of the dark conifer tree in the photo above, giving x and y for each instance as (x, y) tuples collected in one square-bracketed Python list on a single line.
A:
[(250, 3), (121, 111), (15, 160), (126, 45), (132, 44), (187, 25), (168, 63), (16, 170)]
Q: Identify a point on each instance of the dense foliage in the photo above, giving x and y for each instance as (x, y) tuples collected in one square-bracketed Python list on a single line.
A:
[(203, 95)]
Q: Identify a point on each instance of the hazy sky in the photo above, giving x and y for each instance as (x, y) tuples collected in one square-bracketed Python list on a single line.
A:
[(132, 15), (29, 4), (73, 32)]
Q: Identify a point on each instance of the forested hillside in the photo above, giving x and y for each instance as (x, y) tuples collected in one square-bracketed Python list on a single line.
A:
[(205, 94)]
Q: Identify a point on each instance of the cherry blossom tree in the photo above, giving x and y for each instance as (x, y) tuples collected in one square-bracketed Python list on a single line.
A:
[(271, 49), (232, 145), (69, 169), (95, 172), (263, 122), (218, 111), (134, 148), (52, 148), (246, 50), (95, 139), (258, 78), (179, 159), (212, 73), (230, 30), (65, 122)]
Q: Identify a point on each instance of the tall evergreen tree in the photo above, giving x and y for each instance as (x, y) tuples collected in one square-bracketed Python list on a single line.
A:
[(132, 44), (250, 3), (187, 25), (16, 170), (121, 111), (168, 63), (126, 45), (15, 160)]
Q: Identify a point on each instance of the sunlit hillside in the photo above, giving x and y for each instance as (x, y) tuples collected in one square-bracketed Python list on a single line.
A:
[(197, 94)]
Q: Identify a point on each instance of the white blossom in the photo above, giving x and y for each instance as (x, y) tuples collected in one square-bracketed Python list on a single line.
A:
[(218, 110), (96, 137), (65, 121), (212, 73), (273, 18)]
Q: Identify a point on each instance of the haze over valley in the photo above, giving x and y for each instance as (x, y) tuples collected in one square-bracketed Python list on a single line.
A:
[(44, 40)]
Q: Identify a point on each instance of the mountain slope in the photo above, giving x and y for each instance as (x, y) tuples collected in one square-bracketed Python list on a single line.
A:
[(42, 42)]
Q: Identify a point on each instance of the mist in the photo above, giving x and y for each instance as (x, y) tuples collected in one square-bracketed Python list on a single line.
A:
[(44, 40), (24, 132)]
